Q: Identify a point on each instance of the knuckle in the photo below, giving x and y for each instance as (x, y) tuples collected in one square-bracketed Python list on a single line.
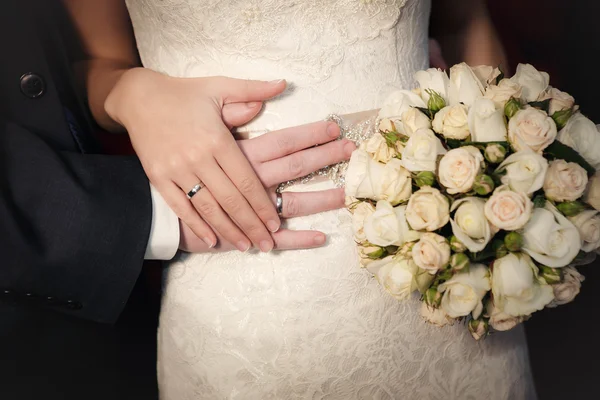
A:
[(296, 166), (232, 203), (247, 185), (285, 143), (207, 209), (292, 206)]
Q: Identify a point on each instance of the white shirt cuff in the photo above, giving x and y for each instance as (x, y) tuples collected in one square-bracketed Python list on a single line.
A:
[(164, 232)]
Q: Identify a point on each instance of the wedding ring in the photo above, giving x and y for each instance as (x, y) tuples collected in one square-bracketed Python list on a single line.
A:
[(279, 204), (195, 190)]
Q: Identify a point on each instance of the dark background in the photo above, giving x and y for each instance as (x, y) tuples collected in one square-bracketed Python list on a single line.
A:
[(118, 362)]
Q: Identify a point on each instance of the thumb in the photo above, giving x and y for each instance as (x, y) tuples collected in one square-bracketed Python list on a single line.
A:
[(232, 90), (238, 114)]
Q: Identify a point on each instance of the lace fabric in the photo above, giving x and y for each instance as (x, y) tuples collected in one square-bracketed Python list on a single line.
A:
[(308, 324)]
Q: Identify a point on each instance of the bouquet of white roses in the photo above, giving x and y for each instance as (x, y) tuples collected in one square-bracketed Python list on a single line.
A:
[(478, 191)]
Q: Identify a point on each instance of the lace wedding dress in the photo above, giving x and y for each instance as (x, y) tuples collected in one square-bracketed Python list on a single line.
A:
[(307, 324)]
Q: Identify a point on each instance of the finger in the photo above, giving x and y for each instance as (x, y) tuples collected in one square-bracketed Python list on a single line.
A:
[(237, 114), (292, 240), (304, 162), (181, 206), (273, 145), (211, 211), (238, 194), (298, 204), (231, 90), (239, 170)]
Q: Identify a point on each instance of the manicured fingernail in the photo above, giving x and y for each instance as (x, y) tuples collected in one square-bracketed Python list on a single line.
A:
[(273, 226), (243, 246), (208, 242), (349, 148), (253, 104), (333, 130), (266, 246), (319, 239), (277, 81)]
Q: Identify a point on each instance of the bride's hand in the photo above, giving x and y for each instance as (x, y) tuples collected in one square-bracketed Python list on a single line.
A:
[(285, 155), (177, 130)]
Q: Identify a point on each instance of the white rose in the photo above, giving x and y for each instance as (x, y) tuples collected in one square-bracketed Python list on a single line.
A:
[(508, 210), (465, 86), (501, 321), (592, 193), (524, 171), (397, 104), (464, 292), (436, 316), (452, 122), (431, 252), (566, 291), (427, 209), (387, 226), (368, 179), (501, 93), (421, 151), (458, 169), (531, 128), (359, 214), (433, 79), (414, 120), (470, 225), (378, 148), (558, 100), (365, 254), (587, 223), (550, 238), (584, 137), (517, 289), (533, 81), (397, 275), (565, 181), (486, 123), (486, 74)]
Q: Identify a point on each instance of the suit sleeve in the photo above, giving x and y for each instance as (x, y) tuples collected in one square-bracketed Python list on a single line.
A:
[(73, 227)]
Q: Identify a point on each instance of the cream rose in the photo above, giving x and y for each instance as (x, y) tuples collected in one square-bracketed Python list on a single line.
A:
[(501, 321), (501, 93), (517, 289), (433, 79), (464, 292), (427, 209), (587, 223), (566, 291), (470, 225), (524, 171), (486, 74), (565, 181), (558, 100), (414, 120), (421, 151), (397, 103), (431, 252), (369, 179), (584, 137), (436, 316), (592, 193), (359, 214), (531, 128), (533, 81), (379, 150), (465, 86), (507, 209), (397, 275), (458, 169), (387, 226), (486, 123), (550, 238), (452, 122)]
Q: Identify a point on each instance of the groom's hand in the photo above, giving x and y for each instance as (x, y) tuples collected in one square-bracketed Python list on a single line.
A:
[(284, 155)]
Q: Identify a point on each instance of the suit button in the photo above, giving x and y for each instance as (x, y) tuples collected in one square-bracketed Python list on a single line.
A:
[(32, 85)]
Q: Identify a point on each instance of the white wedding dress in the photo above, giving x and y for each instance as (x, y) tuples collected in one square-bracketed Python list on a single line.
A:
[(307, 324)]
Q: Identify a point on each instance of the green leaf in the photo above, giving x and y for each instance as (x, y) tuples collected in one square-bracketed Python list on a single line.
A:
[(426, 111), (561, 117), (543, 105), (501, 76), (558, 150), (539, 201)]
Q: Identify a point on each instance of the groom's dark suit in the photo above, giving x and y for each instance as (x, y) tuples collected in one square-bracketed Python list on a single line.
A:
[(74, 223)]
